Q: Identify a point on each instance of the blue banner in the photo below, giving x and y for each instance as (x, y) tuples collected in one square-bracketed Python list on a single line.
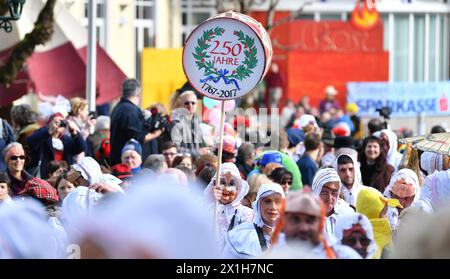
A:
[(405, 99)]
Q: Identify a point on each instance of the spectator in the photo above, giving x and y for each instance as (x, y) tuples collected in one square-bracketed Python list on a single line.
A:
[(55, 169), (169, 150), (51, 143), (182, 160), (375, 125), (156, 163), (99, 139), (274, 85), (6, 137), (5, 197), (132, 155), (375, 170), (206, 174), (308, 162), (188, 172), (127, 121), (329, 102), (437, 129), (80, 116), (186, 131), (352, 110), (245, 157), (283, 177), (63, 186), (14, 156), (24, 121), (295, 138)]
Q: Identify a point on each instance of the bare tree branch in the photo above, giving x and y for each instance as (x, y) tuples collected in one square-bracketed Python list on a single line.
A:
[(42, 32), (290, 17), (271, 13)]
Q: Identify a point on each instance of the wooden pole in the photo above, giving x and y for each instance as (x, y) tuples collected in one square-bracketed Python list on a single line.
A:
[(219, 163)]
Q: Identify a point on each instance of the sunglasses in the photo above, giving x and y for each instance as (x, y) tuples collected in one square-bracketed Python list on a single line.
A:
[(289, 182), (352, 241), (15, 158), (190, 103)]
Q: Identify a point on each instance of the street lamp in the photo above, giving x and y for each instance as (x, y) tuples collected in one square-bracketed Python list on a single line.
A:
[(15, 11)]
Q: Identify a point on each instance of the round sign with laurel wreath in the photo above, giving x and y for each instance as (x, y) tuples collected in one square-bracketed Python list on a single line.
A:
[(227, 56)]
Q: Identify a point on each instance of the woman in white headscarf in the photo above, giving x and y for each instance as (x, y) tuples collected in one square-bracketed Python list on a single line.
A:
[(404, 186), (230, 211), (355, 231), (326, 185), (389, 138), (250, 240)]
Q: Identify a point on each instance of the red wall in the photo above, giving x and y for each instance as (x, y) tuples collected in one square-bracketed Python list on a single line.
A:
[(313, 55)]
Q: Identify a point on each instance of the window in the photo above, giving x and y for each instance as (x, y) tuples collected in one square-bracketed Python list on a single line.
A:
[(99, 21), (193, 13), (144, 29)]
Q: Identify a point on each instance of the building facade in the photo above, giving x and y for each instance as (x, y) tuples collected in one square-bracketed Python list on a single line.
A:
[(416, 32)]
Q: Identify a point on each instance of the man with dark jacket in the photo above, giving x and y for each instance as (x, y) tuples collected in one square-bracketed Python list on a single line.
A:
[(127, 121), (6, 137)]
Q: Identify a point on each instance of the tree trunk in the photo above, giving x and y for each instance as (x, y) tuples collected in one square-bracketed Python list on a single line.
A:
[(42, 32)]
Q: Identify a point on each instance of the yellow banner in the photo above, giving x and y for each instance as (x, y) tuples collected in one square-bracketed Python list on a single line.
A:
[(162, 75)]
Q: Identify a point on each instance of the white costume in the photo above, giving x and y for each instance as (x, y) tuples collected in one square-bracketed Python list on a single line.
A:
[(347, 221), (351, 195), (393, 156), (410, 177), (234, 210), (243, 242), (435, 191), (341, 207)]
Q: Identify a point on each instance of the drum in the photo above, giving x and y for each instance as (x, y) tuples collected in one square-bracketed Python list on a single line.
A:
[(227, 56)]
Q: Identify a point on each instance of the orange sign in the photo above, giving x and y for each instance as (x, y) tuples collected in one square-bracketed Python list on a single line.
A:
[(365, 15)]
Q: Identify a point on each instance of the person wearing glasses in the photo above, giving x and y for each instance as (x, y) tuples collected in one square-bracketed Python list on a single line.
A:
[(355, 230), (283, 177), (326, 185), (185, 128), (14, 156), (170, 151)]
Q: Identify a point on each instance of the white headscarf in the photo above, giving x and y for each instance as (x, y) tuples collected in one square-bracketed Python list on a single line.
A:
[(431, 162), (91, 171), (242, 185), (393, 156), (166, 222), (25, 232), (264, 191), (410, 177), (322, 177), (350, 196), (347, 221)]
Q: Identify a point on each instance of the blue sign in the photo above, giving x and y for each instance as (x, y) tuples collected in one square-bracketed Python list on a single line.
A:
[(405, 99)]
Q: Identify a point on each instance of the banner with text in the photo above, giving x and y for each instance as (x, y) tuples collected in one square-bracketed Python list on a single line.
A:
[(405, 99)]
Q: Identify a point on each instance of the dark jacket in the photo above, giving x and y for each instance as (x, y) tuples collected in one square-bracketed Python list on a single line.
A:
[(127, 122), (40, 144), (308, 169)]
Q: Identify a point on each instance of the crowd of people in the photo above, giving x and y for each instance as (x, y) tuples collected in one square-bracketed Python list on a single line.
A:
[(148, 184)]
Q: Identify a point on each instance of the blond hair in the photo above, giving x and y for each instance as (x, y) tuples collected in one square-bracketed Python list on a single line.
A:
[(77, 104)]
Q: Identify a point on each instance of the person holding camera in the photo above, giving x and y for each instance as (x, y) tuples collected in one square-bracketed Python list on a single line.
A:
[(52, 142), (128, 122)]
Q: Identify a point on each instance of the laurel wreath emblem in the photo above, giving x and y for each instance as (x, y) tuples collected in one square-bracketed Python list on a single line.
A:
[(242, 72)]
